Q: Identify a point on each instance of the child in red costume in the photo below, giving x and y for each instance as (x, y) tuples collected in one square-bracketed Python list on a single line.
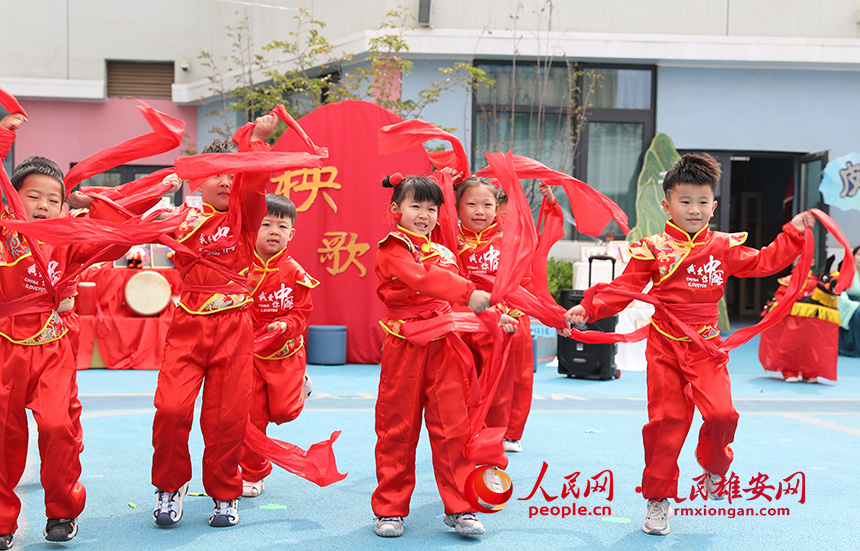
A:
[(688, 266), (480, 252), (281, 290), (37, 364), (418, 280), (211, 338)]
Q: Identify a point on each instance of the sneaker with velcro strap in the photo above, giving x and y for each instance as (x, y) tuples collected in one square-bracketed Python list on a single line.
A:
[(389, 527), (168, 506), (60, 529), (224, 513), (465, 523)]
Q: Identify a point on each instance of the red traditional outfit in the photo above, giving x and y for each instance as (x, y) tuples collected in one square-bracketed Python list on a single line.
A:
[(688, 273), (806, 342), (38, 372), (210, 337), (479, 254), (418, 280), (281, 290)]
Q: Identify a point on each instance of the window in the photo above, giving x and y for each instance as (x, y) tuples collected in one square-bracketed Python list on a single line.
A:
[(591, 121), (127, 173), (139, 79)]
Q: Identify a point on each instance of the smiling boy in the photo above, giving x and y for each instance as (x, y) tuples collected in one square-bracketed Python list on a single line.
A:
[(281, 290), (688, 266)]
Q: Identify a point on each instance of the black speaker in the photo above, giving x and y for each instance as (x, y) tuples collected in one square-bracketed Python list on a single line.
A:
[(579, 359)]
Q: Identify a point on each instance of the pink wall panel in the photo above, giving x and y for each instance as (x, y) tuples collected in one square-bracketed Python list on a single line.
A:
[(69, 132)]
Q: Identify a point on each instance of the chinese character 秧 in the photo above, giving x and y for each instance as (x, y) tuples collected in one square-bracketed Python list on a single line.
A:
[(546, 496), (850, 179), (599, 483), (758, 485), (799, 487), (334, 243), (313, 180)]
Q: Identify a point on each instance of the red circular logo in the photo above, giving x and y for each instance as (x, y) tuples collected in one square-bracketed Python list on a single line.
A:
[(488, 489)]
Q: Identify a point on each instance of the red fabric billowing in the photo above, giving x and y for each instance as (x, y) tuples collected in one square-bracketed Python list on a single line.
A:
[(125, 201), (317, 464), (443, 159), (166, 134), (197, 168), (65, 231), (519, 239), (10, 103), (400, 136), (447, 224), (591, 209), (281, 112), (551, 229)]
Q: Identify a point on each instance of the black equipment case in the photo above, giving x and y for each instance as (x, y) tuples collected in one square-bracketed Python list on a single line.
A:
[(579, 359)]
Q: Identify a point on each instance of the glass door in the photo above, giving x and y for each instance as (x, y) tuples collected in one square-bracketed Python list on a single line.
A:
[(808, 196)]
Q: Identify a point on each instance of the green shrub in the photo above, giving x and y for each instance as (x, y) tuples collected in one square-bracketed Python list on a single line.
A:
[(559, 275)]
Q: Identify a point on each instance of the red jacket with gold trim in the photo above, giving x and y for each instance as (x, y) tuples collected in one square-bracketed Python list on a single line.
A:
[(417, 278), (281, 290), (689, 270)]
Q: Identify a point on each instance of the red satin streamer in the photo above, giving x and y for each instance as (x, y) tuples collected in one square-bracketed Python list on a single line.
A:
[(551, 224), (166, 134), (406, 134), (519, 240), (591, 209), (446, 228), (317, 464), (421, 332), (196, 168), (486, 445), (553, 316), (10, 103), (281, 111), (14, 200), (122, 202)]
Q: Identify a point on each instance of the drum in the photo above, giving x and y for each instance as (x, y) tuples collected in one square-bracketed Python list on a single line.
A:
[(147, 293)]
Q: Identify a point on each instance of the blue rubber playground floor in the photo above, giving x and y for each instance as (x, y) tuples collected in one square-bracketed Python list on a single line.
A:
[(786, 431)]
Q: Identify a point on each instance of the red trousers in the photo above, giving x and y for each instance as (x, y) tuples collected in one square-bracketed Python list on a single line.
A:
[(218, 348), (38, 378), (522, 359), (513, 398), (413, 380), (682, 377), (278, 396)]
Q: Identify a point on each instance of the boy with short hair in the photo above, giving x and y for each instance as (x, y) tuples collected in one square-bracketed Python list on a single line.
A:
[(211, 338), (688, 265), (281, 290), (36, 362)]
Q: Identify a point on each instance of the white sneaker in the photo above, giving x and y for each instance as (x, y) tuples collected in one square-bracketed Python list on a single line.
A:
[(493, 481), (253, 489), (657, 518), (513, 446), (308, 385), (465, 523), (712, 486), (168, 506), (389, 527), (224, 513), (812, 380), (791, 379)]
